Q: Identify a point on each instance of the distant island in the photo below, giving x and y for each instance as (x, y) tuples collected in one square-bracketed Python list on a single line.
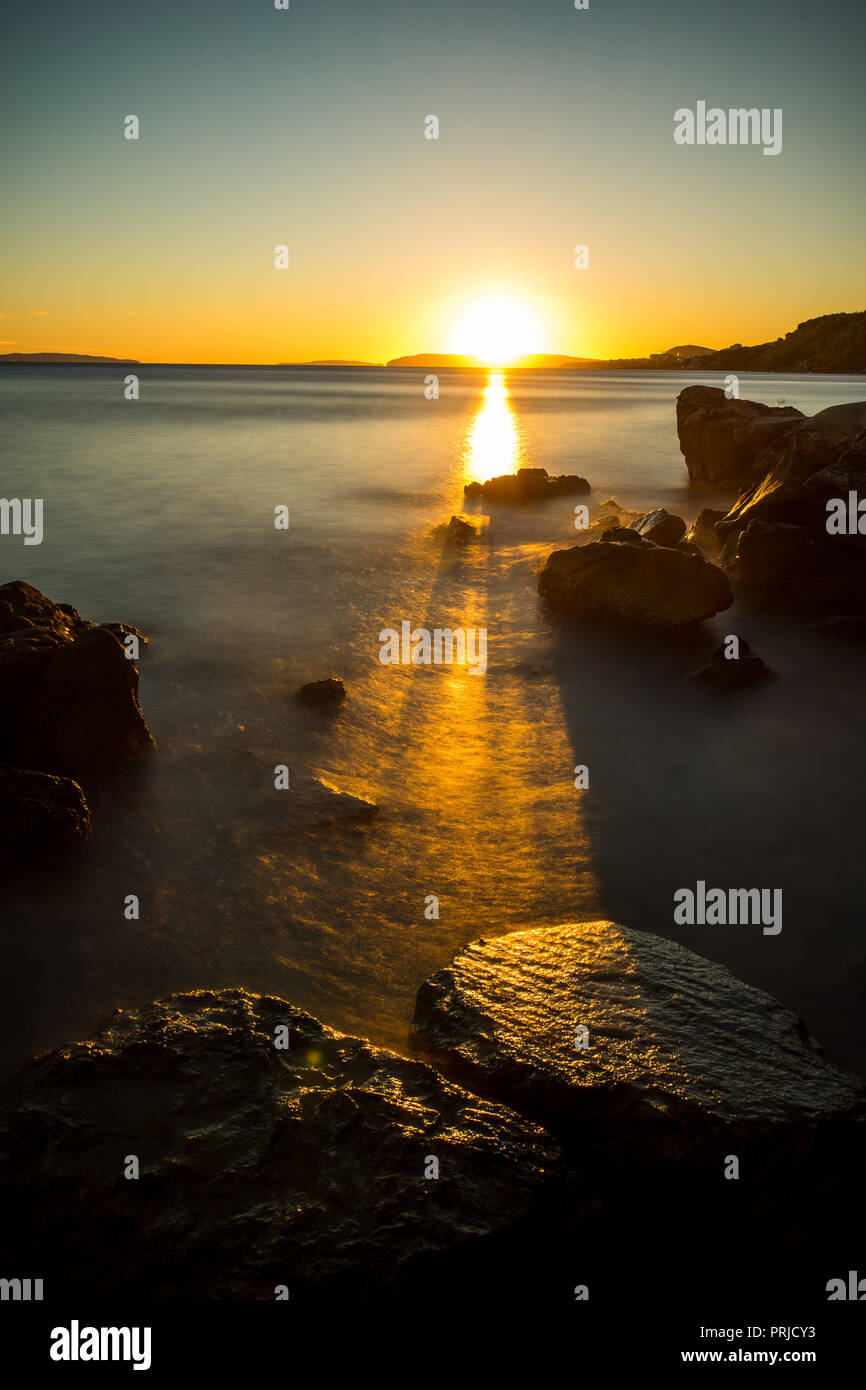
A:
[(68, 357), (833, 343)]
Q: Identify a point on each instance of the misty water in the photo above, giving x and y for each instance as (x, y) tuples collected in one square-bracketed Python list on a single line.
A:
[(160, 513)]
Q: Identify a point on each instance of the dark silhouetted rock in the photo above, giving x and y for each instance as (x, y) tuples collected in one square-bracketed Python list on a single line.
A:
[(644, 584), (732, 673), (310, 801), (799, 568), (39, 812), (621, 535), (123, 630), (258, 1167), (702, 531), (68, 695), (457, 531), (850, 627), (660, 527), (678, 1048), (721, 439), (329, 691), (527, 485)]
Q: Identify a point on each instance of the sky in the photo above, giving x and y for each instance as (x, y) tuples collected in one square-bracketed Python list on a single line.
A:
[(306, 128)]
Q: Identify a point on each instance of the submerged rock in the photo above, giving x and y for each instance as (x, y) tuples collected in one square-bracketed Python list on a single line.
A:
[(721, 439), (310, 801), (330, 691), (678, 1049), (659, 526), (527, 485), (730, 673), (68, 695), (258, 1167), (457, 531), (39, 812), (642, 583)]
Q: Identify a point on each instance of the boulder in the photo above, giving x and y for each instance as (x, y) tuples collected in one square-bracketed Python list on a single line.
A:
[(259, 1167), (678, 1049), (644, 584), (40, 813), (702, 531), (310, 801), (721, 439), (622, 535), (800, 568), (820, 458), (330, 691), (661, 528), (733, 673), (68, 695), (527, 485)]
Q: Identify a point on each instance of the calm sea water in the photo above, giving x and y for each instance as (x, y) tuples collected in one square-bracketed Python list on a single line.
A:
[(160, 513)]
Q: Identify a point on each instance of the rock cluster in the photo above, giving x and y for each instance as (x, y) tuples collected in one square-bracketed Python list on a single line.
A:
[(527, 485)]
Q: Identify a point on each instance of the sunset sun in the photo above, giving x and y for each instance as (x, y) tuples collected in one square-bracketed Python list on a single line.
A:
[(497, 330)]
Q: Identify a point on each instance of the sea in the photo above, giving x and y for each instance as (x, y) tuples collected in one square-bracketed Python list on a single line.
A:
[(160, 512)]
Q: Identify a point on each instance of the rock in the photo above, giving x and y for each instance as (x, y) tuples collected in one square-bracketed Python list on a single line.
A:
[(622, 535), (678, 1048), (689, 548), (645, 584), (659, 527), (702, 531), (310, 801), (721, 439), (124, 630), (329, 691), (39, 812), (527, 485), (798, 568), (457, 531), (258, 1167), (729, 673), (68, 695), (820, 457)]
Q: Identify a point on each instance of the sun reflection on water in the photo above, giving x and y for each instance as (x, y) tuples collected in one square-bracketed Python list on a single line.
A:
[(493, 441)]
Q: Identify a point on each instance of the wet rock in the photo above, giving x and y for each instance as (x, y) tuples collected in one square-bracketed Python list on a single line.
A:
[(527, 485), (721, 439), (258, 1167), (725, 672), (660, 527), (621, 535), (68, 695), (310, 801), (689, 548), (679, 1050), (645, 584), (123, 630), (40, 813), (330, 691), (457, 531), (702, 531)]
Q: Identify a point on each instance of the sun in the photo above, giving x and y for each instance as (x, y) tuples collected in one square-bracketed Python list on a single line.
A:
[(498, 329)]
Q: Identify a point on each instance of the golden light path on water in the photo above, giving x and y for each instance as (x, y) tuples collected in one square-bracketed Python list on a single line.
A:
[(493, 442)]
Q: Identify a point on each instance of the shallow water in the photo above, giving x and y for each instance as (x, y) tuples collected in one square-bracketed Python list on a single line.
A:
[(160, 513)]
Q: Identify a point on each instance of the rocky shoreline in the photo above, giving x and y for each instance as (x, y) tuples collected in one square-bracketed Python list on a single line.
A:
[(570, 1087)]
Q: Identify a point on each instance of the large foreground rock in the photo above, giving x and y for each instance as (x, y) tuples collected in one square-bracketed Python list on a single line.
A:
[(678, 1048), (68, 695), (40, 813), (258, 1167), (645, 584), (527, 485), (721, 439)]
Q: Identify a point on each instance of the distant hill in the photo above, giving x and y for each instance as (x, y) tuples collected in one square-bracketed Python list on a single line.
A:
[(70, 357), (832, 343)]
